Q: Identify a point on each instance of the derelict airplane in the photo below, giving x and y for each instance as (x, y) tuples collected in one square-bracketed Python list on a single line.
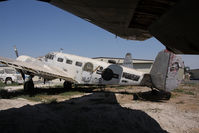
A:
[(166, 73)]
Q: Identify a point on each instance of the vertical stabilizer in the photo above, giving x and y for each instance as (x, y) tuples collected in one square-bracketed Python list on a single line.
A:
[(128, 61)]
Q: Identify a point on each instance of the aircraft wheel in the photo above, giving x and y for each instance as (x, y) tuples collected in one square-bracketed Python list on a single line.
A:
[(67, 85), (8, 81), (29, 85)]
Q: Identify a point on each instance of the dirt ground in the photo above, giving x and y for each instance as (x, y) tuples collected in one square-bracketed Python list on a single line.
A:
[(115, 110)]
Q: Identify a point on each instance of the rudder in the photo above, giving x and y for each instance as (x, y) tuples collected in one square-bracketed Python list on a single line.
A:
[(167, 71)]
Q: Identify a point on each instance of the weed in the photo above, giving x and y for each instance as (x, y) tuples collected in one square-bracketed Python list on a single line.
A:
[(178, 90), (180, 102), (51, 101), (31, 98), (2, 85), (173, 95), (44, 97), (70, 93), (183, 91), (57, 86), (188, 93)]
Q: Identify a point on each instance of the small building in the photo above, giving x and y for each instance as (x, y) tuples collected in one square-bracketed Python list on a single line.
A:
[(138, 64)]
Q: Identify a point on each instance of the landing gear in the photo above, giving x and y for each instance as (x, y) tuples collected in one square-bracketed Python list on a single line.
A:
[(67, 85), (29, 85), (8, 81)]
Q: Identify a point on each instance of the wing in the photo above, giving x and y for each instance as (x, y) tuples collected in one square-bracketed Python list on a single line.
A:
[(38, 68), (173, 22)]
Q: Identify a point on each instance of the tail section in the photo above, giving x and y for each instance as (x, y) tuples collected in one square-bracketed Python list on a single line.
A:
[(128, 61), (167, 71)]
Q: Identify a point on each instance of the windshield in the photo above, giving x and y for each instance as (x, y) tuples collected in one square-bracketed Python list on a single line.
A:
[(49, 56)]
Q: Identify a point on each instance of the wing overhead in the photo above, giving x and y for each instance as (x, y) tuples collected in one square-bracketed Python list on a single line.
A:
[(173, 22), (38, 69), (112, 15)]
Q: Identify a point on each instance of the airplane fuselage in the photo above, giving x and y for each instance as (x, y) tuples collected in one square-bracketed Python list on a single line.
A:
[(166, 73), (89, 71)]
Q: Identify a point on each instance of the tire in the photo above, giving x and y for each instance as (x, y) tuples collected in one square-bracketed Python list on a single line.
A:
[(29, 86), (8, 81)]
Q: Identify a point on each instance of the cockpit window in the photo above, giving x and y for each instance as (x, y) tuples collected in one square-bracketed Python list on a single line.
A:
[(49, 56), (60, 59)]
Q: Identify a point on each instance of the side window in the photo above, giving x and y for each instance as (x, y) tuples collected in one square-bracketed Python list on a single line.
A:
[(60, 59), (88, 67), (51, 57), (69, 61), (78, 63), (112, 61), (1, 71), (131, 76)]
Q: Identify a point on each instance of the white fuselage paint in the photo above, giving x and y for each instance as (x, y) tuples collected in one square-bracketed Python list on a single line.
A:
[(88, 71)]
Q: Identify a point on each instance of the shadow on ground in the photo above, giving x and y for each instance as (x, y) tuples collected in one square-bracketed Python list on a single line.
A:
[(154, 96), (47, 91), (95, 113)]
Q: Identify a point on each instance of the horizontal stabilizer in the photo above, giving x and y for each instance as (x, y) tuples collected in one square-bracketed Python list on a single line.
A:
[(167, 71)]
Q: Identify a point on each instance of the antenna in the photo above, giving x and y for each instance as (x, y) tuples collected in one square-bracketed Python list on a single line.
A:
[(20, 71), (16, 51), (61, 50)]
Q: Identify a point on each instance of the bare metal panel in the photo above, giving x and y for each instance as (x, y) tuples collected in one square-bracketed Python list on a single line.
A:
[(114, 16), (173, 22), (167, 71), (175, 72)]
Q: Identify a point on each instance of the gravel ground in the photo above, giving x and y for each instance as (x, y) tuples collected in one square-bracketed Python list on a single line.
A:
[(112, 110)]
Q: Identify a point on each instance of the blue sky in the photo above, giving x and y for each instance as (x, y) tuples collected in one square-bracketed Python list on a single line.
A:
[(37, 28)]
